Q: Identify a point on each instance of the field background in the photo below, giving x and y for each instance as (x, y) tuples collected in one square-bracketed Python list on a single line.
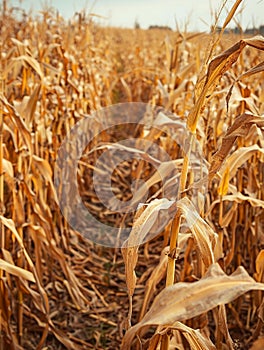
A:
[(59, 290)]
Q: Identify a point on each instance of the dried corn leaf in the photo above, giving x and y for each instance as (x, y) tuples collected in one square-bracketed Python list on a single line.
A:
[(195, 338), (240, 198), (222, 326), (19, 123), (155, 277), (19, 208), (9, 223), (130, 256), (186, 300), (161, 174), (8, 168), (127, 89), (231, 13), (141, 143), (239, 158), (16, 271), (159, 272), (32, 62), (142, 225), (46, 171), (144, 222), (217, 67), (240, 127), (204, 235), (257, 69), (27, 107), (163, 120), (220, 64)]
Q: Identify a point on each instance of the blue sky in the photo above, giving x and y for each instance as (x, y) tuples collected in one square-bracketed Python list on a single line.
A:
[(147, 12)]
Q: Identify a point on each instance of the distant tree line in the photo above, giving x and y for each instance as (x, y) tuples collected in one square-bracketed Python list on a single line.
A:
[(159, 27), (155, 26), (237, 30)]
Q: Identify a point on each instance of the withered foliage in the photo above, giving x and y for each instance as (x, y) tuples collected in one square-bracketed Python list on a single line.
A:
[(198, 283)]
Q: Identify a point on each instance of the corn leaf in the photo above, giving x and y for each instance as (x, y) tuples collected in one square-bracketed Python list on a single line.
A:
[(186, 300)]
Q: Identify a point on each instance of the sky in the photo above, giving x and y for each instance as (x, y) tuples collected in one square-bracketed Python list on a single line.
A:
[(197, 14)]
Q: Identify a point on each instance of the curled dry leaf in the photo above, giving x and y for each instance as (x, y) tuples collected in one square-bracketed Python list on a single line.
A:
[(144, 220), (238, 158), (8, 168), (46, 171), (195, 338), (19, 122), (32, 62), (217, 67), (138, 151), (143, 223), (255, 70), (163, 171), (239, 198), (27, 107), (240, 127), (9, 223), (204, 235), (183, 301)]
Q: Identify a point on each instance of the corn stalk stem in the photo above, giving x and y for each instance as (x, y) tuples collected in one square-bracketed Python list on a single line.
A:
[(186, 161), (175, 227), (165, 342), (173, 246), (4, 10), (20, 263), (20, 310)]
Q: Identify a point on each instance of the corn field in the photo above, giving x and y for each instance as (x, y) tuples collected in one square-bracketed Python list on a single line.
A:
[(190, 274)]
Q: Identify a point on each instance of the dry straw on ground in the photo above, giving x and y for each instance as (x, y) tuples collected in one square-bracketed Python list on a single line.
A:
[(198, 284)]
